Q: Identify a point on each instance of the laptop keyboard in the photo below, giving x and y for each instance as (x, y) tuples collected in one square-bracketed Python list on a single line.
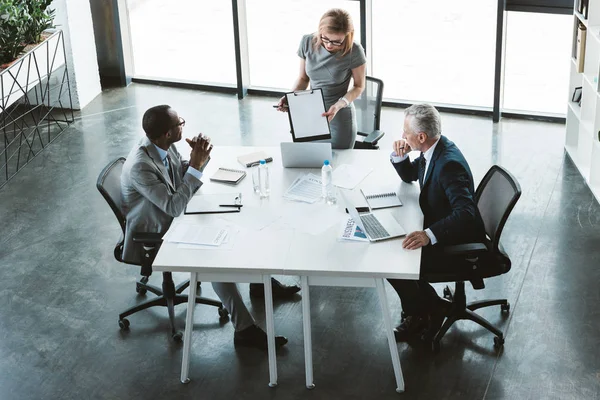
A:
[(373, 227)]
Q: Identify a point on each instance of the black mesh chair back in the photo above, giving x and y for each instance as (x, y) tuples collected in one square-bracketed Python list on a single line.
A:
[(368, 106), (109, 185), (496, 196)]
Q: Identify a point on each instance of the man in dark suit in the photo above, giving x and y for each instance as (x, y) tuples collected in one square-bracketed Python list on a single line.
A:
[(156, 185), (451, 216)]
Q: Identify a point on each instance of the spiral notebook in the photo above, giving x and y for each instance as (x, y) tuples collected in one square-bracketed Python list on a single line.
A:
[(227, 175), (381, 199)]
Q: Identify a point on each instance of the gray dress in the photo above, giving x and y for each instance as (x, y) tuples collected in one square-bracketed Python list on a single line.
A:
[(332, 73)]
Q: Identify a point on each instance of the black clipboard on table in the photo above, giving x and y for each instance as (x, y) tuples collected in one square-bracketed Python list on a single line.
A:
[(214, 203), (304, 111)]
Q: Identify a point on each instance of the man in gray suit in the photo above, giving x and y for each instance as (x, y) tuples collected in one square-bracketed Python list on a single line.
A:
[(156, 185)]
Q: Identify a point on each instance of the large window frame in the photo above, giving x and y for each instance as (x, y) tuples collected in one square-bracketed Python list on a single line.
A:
[(243, 87)]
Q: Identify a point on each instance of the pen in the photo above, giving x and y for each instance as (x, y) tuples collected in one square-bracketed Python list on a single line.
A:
[(231, 205), (276, 106)]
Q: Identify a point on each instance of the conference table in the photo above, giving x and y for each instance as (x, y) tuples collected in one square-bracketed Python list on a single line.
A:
[(276, 236)]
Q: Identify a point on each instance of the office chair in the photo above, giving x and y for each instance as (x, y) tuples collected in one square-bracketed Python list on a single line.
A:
[(495, 196), (368, 114), (109, 185)]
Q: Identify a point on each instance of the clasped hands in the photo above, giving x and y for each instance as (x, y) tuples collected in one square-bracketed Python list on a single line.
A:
[(201, 148)]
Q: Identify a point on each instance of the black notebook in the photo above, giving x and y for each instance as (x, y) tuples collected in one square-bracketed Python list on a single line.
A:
[(381, 199), (226, 175)]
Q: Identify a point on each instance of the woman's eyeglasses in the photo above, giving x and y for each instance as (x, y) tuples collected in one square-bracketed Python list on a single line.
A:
[(331, 42)]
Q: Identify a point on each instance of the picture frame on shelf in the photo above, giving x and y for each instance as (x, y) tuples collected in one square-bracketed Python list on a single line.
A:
[(576, 95)]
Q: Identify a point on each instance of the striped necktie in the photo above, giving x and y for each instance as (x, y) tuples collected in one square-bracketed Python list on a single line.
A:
[(167, 162)]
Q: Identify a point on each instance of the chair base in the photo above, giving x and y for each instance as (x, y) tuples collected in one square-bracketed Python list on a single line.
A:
[(169, 296), (462, 310)]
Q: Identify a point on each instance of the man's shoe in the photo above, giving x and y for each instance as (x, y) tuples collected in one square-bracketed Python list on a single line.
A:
[(280, 291), (253, 336), (411, 327)]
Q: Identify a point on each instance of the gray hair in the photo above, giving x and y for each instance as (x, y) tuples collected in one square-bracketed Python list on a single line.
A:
[(425, 118)]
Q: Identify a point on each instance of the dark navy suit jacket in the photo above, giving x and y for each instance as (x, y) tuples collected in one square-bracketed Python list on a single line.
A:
[(447, 197)]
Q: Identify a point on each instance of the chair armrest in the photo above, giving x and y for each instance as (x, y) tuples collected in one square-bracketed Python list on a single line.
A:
[(147, 239), (467, 250), (373, 137)]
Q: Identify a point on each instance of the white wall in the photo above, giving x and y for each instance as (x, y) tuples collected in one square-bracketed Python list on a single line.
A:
[(74, 17)]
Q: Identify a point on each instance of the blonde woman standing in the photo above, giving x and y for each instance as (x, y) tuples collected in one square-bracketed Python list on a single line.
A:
[(328, 59)]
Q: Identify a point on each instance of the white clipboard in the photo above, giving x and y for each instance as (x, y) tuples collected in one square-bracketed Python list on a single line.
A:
[(305, 112)]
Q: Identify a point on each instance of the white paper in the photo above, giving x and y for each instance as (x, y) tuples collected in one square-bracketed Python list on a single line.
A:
[(306, 110), (348, 176), (197, 234), (350, 231), (312, 219), (227, 244), (307, 188)]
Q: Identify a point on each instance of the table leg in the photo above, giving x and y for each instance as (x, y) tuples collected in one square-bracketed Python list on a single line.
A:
[(189, 327), (308, 362), (270, 331), (389, 330)]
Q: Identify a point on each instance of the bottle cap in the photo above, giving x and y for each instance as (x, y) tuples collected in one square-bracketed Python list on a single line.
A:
[(262, 162), (326, 162)]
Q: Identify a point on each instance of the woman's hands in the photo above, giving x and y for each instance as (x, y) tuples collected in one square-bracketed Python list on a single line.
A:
[(282, 104), (333, 110)]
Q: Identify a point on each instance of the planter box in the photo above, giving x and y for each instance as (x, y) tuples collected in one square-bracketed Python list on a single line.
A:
[(30, 69)]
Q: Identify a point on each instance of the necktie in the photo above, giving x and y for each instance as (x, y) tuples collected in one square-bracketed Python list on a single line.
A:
[(422, 164), (167, 162)]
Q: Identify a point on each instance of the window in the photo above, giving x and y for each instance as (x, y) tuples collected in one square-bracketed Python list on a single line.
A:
[(183, 40), (536, 68), (439, 52), (275, 28)]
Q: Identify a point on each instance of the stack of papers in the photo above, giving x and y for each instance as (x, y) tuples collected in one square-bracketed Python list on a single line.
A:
[(307, 188), (197, 234)]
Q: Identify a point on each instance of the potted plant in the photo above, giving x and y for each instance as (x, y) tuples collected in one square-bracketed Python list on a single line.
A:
[(21, 25)]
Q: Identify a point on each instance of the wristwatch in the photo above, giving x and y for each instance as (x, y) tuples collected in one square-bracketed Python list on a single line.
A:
[(345, 100)]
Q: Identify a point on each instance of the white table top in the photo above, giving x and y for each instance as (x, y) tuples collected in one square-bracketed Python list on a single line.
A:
[(280, 237)]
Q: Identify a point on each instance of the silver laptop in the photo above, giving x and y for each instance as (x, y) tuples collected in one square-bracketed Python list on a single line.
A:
[(305, 155), (381, 227)]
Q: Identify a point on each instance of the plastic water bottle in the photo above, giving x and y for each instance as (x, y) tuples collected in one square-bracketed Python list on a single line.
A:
[(263, 179), (327, 180)]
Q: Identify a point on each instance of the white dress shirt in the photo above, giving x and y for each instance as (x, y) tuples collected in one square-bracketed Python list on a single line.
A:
[(163, 157), (428, 155)]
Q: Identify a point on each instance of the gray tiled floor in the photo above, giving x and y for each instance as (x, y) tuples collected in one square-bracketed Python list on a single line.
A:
[(61, 289)]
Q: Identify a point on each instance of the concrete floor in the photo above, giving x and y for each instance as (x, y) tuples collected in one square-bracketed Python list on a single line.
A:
[(62, 290)]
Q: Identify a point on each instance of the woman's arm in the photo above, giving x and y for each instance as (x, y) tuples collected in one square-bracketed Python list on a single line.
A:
[(359, 78)]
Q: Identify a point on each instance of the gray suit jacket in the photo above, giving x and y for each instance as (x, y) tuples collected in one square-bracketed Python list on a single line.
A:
[(149, 200)]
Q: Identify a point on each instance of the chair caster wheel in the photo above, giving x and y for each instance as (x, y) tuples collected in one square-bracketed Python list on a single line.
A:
[(435, 346), (223, 313), (124, 324), (505, 308), (178, 337), (498, 342), (140, 290)]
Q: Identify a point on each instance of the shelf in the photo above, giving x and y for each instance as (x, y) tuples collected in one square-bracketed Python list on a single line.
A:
[(574, 107), (587, 127), (580, 17), (595, 32), (589, 78)]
